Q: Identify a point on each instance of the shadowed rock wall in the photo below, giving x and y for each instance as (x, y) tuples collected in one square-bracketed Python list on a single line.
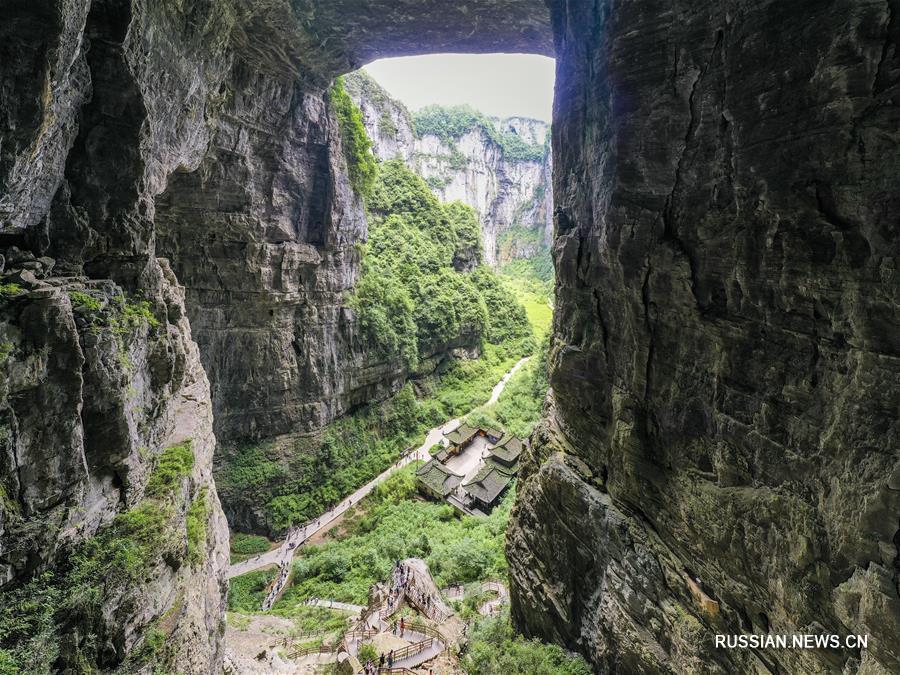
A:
[(720, 452), (101, 100)]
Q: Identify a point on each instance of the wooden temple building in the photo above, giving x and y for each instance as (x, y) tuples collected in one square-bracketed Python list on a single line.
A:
[(495, 474), (436, 480)]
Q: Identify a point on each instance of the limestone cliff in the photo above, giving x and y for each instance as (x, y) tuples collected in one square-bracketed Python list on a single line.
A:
[(721, 452), (101, 377), (511, 195), (96, 388), (720, 449)]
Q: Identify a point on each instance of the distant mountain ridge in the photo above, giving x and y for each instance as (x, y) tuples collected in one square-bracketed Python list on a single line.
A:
[(499, 167)]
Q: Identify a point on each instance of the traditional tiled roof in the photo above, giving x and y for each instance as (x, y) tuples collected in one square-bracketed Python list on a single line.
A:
[(488, 483), (438, 477), (508, 449), (512, 469), (493, 433), (441, 455), (461, 434)]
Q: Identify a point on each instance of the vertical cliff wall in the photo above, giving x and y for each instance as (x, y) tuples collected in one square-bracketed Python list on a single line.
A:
[(512, 195), (720, 453), (264, 236), (102, 384)]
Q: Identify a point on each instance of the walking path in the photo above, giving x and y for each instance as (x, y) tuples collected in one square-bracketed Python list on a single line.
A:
[(487, 608), (498, 388), (334, 604), (283, 555), (409, 642)]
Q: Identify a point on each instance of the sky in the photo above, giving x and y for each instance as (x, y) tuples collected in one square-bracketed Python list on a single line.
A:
[(499, 85)]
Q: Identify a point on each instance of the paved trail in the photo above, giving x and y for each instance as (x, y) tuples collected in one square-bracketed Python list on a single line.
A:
[(296, 537)]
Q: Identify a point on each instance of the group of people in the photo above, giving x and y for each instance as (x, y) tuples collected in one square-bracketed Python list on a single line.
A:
[(375, 667), (283, 572), (402, 585), (400, 578)]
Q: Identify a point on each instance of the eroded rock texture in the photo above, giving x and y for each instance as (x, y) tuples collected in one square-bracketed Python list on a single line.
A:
[(100, 374), (263, 235), (721, 448)]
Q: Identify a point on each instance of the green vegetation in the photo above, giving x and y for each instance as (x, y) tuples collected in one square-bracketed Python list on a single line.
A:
[(120, 315), (37, 616), (464, 221), (410, 299), (495, 649), (450, 123), (531, 280), (518, 409), (356, 144), (85, 301), (247, 591), (195, 523), (248, 544), (362, 86), (293, 482), (467, 384), (29, 637), (173, 464), (149, 652), (309, 619), (395, 526), (10, 289), (367, 652), (534, 301), (536, 271), (438, 183), (133, 314), (386, 124), (6, 349)]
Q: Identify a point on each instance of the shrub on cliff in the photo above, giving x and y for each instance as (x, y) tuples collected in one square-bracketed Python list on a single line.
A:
[(385, 313), (37, 619), (400, 191), (416, 244), (450, 123), (495, 649), (356, 144), (464, 221)]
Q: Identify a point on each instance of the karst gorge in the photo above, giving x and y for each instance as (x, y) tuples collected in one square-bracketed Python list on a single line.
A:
[(297, 379)]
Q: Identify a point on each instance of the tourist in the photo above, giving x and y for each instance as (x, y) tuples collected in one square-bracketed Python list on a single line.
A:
[(381, 662), (391, 659), (402, 626)]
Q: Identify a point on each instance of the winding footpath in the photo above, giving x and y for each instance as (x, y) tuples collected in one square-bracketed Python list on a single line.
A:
[(281, 557), (489, 607)]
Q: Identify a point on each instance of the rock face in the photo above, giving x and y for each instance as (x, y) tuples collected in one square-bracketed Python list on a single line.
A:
[(512, 197), (91, 397), (112, 113), (720, 451), (100, 372), (263, 235)]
